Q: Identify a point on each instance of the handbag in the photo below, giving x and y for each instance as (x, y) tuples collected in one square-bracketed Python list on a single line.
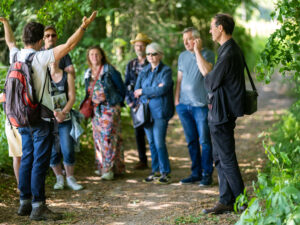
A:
[(250, 96), (141, 114), (86, 107)]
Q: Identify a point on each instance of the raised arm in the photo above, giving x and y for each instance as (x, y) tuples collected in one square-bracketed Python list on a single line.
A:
[(63, 49), (9, 36), (204, 66)]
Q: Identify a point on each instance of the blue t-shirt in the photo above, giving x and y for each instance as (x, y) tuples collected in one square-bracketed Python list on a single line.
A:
[(192, 90)]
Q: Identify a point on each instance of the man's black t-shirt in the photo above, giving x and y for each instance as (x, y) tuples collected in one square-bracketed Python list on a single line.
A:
[(65, 62)]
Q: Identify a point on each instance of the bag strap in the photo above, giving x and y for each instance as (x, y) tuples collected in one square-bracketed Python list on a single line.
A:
[(30, 58), (15, 57), (249, 75), (93, 85)]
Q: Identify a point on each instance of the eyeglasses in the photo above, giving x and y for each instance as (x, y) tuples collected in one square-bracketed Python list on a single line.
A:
[(152, 54), (50, 35)]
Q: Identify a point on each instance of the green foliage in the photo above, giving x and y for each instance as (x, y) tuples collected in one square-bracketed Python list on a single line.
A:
[(116, 24), (5, 7), (277, 191), (5, 161), (62, 12), (282, 47)]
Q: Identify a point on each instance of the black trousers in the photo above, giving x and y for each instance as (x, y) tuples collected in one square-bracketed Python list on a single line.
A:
[(231, 184), (141, 143)]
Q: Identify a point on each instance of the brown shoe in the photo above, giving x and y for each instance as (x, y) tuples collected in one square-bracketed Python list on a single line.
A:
[(141, 166), (219, 208)]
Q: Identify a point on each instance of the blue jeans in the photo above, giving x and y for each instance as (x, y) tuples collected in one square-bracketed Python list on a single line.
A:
[(195, 126), (66, 146), (156, 135), (36, 147)]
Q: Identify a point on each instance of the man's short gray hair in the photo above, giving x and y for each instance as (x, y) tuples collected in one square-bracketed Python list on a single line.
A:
[(194, 31), (156, 47)]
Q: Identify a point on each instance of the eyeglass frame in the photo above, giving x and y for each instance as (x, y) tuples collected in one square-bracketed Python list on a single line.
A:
[(152, 54), (50, 35)]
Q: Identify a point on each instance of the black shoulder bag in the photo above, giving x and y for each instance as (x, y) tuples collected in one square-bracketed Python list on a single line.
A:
[(251, 96)]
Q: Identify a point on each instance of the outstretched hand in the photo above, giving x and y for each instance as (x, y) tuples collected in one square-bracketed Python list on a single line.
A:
[(86, 21), (3, 19)]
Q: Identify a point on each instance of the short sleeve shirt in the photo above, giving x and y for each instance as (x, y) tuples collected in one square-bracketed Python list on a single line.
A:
[(65, 62), (40, 62), (192, 90)]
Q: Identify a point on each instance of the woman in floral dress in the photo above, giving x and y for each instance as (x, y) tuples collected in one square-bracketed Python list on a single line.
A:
[(107, 98)]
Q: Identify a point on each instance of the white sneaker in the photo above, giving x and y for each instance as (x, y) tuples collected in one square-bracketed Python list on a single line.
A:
[(108, 176), (97, 172), (59, 185), (71, 182)]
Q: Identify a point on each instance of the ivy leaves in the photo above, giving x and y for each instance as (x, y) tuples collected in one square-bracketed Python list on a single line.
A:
[(282, 48)]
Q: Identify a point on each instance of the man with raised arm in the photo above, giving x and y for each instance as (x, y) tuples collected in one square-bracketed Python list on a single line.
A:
[(226, 85), (191, 106), (37, 140), (50, 40)]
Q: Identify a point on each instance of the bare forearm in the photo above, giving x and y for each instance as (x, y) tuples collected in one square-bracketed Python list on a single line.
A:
[(204, 66), (177, 90), (63, 49), (71, 94), (9, 36), (70, 70), (68, 106)]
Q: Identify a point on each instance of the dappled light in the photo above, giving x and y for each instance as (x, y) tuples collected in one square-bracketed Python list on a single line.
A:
[(117, 198)]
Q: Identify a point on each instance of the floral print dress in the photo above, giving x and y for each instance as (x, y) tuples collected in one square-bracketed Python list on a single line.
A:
[(106, 124)]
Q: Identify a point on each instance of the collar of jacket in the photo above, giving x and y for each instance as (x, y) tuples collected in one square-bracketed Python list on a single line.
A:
[(148, 68), (222, 48), (88, 72)]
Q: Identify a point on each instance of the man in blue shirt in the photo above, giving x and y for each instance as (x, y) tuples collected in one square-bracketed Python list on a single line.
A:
[(191, 105)]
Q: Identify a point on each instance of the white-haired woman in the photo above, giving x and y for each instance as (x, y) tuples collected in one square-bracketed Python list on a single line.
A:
[(155, 85)]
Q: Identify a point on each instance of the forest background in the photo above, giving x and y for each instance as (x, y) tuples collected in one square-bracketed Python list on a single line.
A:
[(267, 31), (117, 23)]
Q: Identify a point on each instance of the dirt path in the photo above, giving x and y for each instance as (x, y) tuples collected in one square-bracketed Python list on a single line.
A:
[(127, 200)]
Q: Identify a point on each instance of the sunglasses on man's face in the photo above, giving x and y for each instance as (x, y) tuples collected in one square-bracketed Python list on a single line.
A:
[(152, 54), (50, 35)]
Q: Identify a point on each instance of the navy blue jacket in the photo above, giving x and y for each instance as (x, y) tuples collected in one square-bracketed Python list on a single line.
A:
[(114, 88), (161, 101)]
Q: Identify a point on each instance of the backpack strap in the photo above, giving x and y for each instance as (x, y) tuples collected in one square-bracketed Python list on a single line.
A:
[(30, 58), (15, 57)]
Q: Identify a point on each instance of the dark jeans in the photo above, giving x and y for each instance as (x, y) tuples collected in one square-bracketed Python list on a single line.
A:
[(195, 126), (36, 148), (141, 143), (231, 184)]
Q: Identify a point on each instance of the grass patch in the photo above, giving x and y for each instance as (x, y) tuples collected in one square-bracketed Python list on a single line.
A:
[(189, 219)]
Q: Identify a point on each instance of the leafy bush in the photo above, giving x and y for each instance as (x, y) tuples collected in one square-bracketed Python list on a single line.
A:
[(5, 161), (277, 191)]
